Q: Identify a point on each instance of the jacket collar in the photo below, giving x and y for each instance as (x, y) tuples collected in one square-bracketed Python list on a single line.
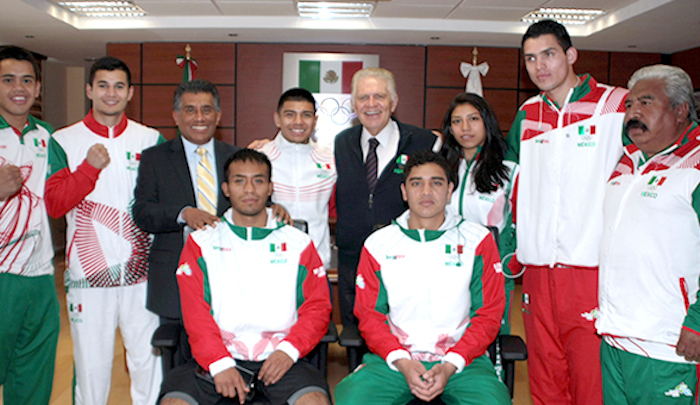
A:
[(451, 221), (252, 233), (103, 130)]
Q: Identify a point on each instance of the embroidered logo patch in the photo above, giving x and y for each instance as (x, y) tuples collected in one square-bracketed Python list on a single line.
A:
[(132, 160), (590, 316), (652, 187), (319, 271), (184, 269), (401, 163), (680, 390), (325, 170)]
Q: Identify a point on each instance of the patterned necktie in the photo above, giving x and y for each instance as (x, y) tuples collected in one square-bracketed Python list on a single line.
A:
[(206, 190), (371, 164)]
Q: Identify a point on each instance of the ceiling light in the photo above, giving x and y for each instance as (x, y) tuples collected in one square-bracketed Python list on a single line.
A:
[(322, 10), (107, 8), (570, 16)]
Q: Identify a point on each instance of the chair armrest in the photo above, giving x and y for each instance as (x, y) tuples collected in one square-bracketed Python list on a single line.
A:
[(332, 334), (350, 337), (167, 335), (512, 348)]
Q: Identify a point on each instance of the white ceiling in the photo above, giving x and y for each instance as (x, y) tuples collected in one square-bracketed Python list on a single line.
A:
[(660, 26)]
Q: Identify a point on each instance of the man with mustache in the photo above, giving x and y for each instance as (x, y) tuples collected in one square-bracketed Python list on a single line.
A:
[(649, 261), (567, 142)]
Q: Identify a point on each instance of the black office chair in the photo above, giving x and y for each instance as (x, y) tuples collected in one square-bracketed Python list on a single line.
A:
[(511, 348), (167, 336)]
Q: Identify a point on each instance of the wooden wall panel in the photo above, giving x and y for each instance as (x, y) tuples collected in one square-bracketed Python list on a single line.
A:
[(436, 103), (690, 62), (260, 82), (129, 54), (444, 62), (133, 109), (594, 62), (216, 62), (624, 64), (504, 104), (158, 105)]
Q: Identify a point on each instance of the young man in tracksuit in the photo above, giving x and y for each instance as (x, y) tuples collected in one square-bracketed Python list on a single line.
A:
[(254, 299), (363, 204), (94, 164), (430, 296), (650, 261), (29, 318), (304, 171), (567, 142)]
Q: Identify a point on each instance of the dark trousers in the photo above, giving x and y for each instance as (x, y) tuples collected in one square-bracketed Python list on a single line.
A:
[(347, 271)]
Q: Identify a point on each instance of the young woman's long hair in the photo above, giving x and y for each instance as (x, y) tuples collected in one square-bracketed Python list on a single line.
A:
[(490, 172)]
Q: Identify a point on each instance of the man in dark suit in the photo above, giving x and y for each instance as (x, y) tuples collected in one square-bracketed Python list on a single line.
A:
[(370, 159), (169, 194)]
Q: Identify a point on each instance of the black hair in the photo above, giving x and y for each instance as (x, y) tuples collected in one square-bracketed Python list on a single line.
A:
[(489, 172), (296, 94), (196, 86), (548, 27), (15, 52), (248, 155), (111, 64), (424, 156)]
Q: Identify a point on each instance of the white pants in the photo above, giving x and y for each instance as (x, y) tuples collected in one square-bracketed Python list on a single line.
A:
[(94, 315)]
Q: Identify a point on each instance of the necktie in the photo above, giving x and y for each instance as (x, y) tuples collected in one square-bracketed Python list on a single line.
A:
[(371, 164), (206, 190)]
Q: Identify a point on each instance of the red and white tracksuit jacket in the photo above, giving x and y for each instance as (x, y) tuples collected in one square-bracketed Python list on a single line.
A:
[(246, 292), (430, 295), (650, 255)]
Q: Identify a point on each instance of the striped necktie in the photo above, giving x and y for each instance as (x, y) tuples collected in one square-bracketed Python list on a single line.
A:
[(206, 190), (371, 164)]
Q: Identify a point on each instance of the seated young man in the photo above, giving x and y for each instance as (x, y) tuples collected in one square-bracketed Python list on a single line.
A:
[(429, 301), (254, 301)]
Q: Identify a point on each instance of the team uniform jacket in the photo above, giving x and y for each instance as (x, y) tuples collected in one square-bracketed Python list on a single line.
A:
[(566, 154), (488, 209), (104, 246), (304, 177), (25, 238), (430, 295), (650, 255), (247, 292)]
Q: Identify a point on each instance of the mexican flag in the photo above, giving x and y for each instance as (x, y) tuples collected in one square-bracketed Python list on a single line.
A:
[(189, 65), (327, 76), (278, 247)]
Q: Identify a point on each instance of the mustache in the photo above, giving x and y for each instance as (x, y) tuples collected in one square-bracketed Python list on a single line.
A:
[(634, 123)]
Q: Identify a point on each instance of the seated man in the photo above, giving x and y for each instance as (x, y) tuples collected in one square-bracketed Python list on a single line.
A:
[(254, 299), (429, 301)]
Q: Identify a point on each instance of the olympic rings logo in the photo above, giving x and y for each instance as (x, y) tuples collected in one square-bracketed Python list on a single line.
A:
[(339, 113)]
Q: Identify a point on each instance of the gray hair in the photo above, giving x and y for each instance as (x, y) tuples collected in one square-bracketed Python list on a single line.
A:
[(379, 73), (677, 85), (196, 86)]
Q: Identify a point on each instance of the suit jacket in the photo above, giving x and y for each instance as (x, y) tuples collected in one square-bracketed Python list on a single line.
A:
[(163, 188), (356, 216)]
